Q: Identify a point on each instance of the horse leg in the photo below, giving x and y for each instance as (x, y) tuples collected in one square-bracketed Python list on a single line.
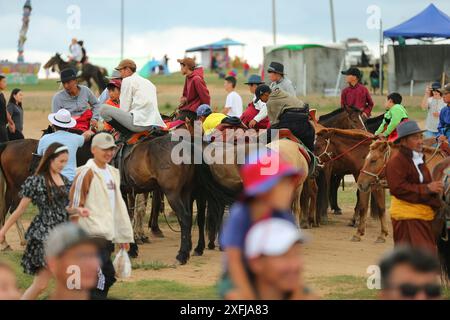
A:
[(380, 202), (322, 194), (314, 218), (361, 208), (139, 214), (156, 209), (201, 212), (130, 199), (180, 203), (6, 208), (334, 187), (305, 206)]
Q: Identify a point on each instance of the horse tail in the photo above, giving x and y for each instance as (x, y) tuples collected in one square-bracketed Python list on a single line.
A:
[(216, 195), (3, 187)]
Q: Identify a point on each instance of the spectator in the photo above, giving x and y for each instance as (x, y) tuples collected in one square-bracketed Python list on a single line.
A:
[(375, 78), (253, 82), (5, 117), (444, 118), (414, 196), (233, 103), (78, 100), (67, 246), (104, 96), (255, 116), (96, 189), (356, 94), (138, 103), (8, 283), (278, 79), (246, 68), (195, 91), (395, 114), (410, 274), (61, 123), (273, 250), (265, 195), (48, 190), (114, 98), (15, 111), (433, 103)]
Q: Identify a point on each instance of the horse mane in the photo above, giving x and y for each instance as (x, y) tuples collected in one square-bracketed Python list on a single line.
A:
[(352, 133), (374, 119), (330, 115)]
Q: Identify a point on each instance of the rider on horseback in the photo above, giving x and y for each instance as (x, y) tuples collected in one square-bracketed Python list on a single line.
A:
[(395, 114), (255, 116), (76, 99), (138, 103), (76, 53), (356, 94)]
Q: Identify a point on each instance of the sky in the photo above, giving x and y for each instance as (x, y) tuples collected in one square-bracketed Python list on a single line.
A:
[(157, 27)]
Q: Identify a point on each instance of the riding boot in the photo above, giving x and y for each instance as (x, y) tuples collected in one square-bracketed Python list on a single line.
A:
[(125, 133)]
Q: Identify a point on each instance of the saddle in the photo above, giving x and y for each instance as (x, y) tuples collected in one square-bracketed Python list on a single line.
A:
[(229, 123)]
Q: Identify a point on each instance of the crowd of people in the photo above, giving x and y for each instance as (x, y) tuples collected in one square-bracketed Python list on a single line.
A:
[(82, 215)]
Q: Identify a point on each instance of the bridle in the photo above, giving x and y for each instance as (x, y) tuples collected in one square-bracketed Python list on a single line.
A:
[(377, 175), (330, 154)]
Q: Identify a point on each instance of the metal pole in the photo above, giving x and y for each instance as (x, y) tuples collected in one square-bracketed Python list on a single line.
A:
[(381, 56), (333, 26), (122, 28), (274, 23)]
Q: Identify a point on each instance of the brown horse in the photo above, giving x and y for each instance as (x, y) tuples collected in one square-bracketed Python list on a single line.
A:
[(373, 170), (88, 72), (344, 151)]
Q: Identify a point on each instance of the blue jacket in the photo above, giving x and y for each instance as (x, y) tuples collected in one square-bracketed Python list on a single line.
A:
[(444, 121)]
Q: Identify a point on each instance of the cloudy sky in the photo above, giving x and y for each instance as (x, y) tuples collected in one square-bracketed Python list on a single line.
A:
[(156, 27)]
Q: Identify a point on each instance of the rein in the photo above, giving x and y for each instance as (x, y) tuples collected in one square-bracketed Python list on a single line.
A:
[(329, 154), (377, 175)]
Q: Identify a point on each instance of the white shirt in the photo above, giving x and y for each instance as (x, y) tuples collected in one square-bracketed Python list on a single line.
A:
[(138, 96), (418, 159), (434, 106), (76, 52), (262, 107), (110, 186), (234, 102)]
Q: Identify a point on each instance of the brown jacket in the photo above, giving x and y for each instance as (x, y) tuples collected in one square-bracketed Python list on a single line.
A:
[(403, 180)]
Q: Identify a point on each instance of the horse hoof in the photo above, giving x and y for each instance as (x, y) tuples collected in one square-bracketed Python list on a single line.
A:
[(145, 239), (380, 240), (138, 241), (337, 212), (352, 223), (211, 246), (304, 225), (356, 239), (197, 253), (158, 233), (182, 259), (6, 248)]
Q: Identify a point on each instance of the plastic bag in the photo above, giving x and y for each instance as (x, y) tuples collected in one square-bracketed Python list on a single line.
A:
[(122, 264)]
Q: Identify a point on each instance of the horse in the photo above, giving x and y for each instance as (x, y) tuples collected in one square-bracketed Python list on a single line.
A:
[(88, 71), (373, 170), (345, 151), (443, 217)]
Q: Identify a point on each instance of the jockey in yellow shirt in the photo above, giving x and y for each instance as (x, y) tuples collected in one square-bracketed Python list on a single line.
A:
[(209, 119)]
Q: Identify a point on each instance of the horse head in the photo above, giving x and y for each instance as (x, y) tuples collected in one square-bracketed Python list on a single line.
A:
[(322, 144), (374, 165), (355, 118)]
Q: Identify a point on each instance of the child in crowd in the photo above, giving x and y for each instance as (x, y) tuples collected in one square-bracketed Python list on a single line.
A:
[(269, 183), (395, 114)]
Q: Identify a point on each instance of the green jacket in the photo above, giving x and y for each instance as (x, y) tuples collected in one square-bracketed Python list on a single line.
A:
[(392, 119)]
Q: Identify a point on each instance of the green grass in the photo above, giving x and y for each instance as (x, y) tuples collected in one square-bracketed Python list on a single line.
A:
[(151, 265), (161, 290)]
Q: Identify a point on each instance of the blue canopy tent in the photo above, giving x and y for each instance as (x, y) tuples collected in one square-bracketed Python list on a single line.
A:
[(414, 65), (430, 23), (209, 50)]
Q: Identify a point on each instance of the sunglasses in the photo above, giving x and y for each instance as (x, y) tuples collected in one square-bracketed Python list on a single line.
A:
[(409, 290)]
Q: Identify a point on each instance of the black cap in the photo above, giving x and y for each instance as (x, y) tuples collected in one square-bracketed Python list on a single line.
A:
[(260, 90), (352, 72), (68, 74), (276, 67)]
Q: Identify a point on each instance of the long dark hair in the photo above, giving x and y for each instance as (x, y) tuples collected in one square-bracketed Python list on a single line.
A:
[(12, 99), (44, 167)]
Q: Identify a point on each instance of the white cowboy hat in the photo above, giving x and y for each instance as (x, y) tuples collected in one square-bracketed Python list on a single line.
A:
[(62, 119)]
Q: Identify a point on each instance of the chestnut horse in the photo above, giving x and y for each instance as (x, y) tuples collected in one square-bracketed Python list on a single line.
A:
[(373, 170), (345, 151)]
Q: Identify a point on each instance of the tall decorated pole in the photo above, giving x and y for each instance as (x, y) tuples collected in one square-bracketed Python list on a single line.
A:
[(23, 32)]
